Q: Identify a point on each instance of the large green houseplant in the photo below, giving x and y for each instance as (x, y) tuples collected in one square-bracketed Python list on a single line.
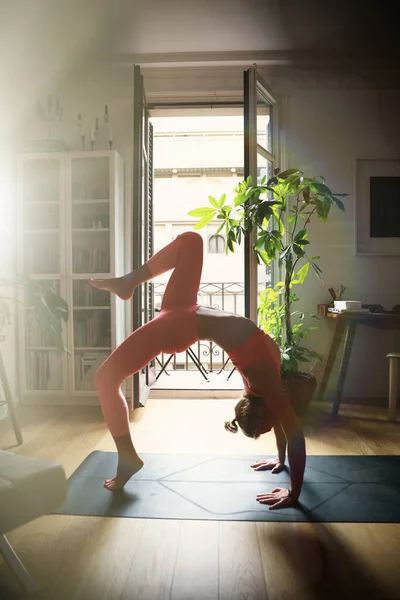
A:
[(279, 210)]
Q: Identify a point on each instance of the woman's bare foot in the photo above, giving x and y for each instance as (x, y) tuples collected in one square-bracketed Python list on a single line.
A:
[(127, 466), (122, 286)]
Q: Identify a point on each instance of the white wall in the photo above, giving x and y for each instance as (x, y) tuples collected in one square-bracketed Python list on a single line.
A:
[(327, 130)]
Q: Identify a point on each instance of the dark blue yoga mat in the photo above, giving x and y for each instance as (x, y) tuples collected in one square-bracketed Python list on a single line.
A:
[(223, 488)]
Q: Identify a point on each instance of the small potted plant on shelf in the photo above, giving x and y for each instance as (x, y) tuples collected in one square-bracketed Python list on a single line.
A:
[(279, 211)]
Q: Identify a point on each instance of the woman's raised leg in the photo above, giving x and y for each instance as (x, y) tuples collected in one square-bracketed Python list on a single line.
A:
[(184, 254)]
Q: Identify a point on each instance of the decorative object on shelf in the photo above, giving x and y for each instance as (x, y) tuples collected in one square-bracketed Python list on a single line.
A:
[(50, 114), (262, 208), (97, 141)]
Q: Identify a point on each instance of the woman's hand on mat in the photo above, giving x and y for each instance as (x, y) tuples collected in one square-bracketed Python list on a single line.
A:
[(278, 498), (274, 465)]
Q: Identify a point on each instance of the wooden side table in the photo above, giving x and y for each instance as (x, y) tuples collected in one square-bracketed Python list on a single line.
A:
[(345, 330), (8, 401)]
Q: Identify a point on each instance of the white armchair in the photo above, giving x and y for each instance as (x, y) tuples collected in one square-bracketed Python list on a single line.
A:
[(29, 488)]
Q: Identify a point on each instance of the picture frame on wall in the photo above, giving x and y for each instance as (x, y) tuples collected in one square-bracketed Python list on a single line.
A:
[(378, 207)]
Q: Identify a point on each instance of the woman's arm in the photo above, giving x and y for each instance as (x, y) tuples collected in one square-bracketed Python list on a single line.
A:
[(262, 376), (280, 443), (275, 465)]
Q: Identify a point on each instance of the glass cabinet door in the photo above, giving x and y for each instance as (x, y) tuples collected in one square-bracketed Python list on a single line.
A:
[(42, 260)]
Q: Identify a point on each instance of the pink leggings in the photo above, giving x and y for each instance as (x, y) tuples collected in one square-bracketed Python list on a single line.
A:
[(174, 329)]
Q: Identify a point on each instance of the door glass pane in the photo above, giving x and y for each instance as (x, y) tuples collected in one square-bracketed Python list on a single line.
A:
[(264, 168), (264, 130), (199, 153)]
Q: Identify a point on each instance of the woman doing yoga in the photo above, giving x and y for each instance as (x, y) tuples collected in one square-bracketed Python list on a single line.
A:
[(180, 323)]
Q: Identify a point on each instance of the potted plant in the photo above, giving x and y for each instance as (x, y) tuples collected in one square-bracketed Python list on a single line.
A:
[(49, 308), (279, 210)]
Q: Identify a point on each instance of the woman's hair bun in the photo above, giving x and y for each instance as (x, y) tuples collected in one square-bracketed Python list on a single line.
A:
[(231, 426)]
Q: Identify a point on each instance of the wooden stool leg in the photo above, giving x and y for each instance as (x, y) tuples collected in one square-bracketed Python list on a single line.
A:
[(10, 401), (393, 363)]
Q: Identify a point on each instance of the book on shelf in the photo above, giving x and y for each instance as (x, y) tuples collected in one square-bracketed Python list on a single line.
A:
[(86, 365), (90, 261), (92, 330)]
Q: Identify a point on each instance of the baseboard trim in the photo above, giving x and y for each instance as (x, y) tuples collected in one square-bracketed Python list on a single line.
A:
[(206, 394)]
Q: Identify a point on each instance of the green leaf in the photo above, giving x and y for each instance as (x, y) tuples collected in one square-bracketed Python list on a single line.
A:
[(264, 256), (306, 194), (338, 203), (288, 173), (291, 219), (320, 188), (300, 235), (239, 199), (213, 202), (298, 250), (303, 272), (285, 252), (317, 271), (204, 221), (202, 212), (263, 179), (222, 201)]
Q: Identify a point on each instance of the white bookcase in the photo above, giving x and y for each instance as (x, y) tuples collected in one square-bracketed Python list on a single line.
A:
[(71, 228)]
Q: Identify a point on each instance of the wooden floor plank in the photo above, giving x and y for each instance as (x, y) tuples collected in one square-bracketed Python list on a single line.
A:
[(240, 563), (152, 569), (196, 568)]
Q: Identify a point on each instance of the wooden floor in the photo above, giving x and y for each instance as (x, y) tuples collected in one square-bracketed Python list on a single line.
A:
[(92, 558)]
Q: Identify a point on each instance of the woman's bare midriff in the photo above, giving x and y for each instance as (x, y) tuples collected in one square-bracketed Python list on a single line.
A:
[(228, 330)]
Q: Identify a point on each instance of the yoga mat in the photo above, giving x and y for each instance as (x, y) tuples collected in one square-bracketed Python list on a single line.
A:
[(223, 488)]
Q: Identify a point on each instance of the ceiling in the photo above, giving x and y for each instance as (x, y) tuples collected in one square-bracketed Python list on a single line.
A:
[(302, 31), (42, 41)]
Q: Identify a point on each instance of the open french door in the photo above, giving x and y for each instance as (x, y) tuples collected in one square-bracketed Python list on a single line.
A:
[(260, 152), (142, 227)]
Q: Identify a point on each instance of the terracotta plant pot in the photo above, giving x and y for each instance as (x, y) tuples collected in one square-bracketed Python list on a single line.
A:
[(300, 387)]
